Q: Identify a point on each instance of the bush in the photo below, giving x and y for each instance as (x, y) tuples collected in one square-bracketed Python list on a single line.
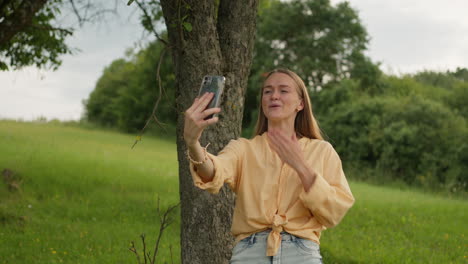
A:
[(415, 139)]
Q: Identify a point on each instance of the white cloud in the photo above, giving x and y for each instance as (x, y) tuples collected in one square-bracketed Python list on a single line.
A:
[(409, 36)]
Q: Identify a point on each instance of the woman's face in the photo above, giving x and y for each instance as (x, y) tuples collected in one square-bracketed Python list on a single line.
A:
[(280, 99)]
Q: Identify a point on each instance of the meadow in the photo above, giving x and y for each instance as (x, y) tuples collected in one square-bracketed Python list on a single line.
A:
[(84, 195)]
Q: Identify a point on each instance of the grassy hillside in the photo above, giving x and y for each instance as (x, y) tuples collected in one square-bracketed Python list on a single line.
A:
[(85, 195), (392, 226)]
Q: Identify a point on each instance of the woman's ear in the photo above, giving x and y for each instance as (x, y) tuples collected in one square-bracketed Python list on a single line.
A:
[(300, 106)]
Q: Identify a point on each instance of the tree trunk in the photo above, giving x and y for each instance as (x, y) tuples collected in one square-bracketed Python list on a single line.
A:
[(220, 42)]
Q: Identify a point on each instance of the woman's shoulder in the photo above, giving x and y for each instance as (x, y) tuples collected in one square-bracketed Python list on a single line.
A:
[(317, 143), (240, 145), (245, 143), (240, 142)]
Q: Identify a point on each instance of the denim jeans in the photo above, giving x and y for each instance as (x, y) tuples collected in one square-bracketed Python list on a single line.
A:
[(252, 250)]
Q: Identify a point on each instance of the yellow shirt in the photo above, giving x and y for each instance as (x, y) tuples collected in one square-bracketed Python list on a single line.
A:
[(270, 194)]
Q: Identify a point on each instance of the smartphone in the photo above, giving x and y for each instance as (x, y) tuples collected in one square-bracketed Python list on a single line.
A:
[(212, 84)]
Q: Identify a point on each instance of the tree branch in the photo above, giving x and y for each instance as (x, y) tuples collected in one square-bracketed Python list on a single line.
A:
[(156, 104), (147, 16), (75, 10), (50, 28), (81, 11)]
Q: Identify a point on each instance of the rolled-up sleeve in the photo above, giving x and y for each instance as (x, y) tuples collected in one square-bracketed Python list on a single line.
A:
[(330, 197), (227, 166)]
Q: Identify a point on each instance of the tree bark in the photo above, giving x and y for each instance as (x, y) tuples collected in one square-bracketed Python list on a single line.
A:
[(220, 42)]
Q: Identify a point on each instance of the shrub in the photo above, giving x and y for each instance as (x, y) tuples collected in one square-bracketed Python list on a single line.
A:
[(417, 140)]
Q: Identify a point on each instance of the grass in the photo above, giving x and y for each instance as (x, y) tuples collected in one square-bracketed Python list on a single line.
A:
[(399, 226), (85, 195)]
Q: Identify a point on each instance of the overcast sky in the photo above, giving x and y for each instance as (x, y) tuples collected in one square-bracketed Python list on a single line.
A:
[(406, 37)]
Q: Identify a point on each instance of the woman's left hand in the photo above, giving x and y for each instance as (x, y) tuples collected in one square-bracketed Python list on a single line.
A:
[(287, 148)]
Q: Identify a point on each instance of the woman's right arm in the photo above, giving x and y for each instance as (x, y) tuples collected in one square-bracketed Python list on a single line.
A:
[(194, 125)]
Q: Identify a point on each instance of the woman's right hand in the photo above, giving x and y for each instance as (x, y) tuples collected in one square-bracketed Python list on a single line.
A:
[(195, 115)]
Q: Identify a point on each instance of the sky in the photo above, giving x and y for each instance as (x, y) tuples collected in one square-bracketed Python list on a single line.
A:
[(406, 36)]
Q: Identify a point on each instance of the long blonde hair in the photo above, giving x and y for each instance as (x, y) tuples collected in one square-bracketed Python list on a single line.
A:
[(305, 124)]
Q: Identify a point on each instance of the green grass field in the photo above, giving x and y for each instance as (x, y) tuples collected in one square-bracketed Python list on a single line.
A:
[(85, 195)]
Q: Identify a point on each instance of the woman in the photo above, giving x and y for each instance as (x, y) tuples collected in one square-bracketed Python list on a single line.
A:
[(288, 181)]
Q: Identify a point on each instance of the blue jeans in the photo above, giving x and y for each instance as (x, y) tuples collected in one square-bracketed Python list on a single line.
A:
[(293, 250)]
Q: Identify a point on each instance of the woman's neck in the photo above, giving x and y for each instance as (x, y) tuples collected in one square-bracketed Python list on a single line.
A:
[(286, 128)]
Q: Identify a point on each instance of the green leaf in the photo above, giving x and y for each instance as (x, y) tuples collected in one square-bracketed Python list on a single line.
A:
[(3, 66), (130, 2), (187, 26)]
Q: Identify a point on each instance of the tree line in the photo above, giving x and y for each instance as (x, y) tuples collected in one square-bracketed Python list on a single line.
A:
[(410, 128)]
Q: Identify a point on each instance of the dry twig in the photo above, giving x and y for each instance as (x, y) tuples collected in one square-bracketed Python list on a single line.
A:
[(165, 222), (133, 249), (158, 75), (156, 104)]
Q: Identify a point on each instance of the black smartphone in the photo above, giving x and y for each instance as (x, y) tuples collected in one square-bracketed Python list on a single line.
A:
[(212, 84)]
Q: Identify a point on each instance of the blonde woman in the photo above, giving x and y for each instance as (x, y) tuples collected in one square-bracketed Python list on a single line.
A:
[(288, 181)]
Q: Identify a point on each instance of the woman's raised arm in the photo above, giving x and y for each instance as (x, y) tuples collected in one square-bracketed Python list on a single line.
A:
[(194, 124)]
